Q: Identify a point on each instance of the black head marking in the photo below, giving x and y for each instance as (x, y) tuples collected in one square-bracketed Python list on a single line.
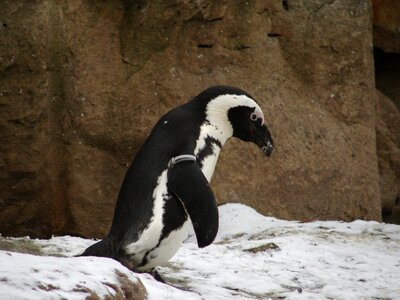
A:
[(249, 127), (241, 120)]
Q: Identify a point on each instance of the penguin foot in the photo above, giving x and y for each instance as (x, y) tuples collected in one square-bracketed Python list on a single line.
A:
[(156, 276)]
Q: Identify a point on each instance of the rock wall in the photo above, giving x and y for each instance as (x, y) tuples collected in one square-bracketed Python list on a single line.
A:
[(386, 23), (386, 33), (388, 148), (83, 82)]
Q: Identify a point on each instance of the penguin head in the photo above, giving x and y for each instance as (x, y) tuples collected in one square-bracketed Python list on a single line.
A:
[(236, 113), (248, 125)]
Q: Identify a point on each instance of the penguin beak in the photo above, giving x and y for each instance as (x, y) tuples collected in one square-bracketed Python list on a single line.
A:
[(264, 140)]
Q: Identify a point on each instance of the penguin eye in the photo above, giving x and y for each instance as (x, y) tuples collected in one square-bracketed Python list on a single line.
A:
[(257, 115)]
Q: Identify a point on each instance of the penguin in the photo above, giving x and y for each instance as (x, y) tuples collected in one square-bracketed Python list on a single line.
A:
[(166, 188)]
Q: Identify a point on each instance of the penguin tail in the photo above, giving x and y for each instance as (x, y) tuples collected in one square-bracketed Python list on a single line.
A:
[(108, 247)]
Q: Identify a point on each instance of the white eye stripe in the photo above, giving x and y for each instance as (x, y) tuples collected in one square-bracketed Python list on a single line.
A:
[(217, 108)]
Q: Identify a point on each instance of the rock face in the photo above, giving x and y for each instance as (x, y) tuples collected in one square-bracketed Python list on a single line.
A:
[(83, 82), (388, 148), (386, 24)]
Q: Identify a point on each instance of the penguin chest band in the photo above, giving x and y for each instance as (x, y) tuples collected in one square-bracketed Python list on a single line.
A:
[(181, 158)]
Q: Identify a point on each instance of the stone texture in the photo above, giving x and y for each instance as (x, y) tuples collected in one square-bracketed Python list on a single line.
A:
[(386, 21), (83, 82), (31, 169), (388, 148), (386, 32)]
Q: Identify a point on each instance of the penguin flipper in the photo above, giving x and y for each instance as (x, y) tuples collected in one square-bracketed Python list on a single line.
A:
[(188, 183)]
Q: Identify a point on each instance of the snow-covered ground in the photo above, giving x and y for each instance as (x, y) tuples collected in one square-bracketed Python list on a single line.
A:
[(253, 257)]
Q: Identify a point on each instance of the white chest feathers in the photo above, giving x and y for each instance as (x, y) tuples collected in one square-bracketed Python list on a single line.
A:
[(150, 237), (208, 147)]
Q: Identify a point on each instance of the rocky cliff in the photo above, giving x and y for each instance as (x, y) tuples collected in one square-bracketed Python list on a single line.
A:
[(83, 82), (386, 37)]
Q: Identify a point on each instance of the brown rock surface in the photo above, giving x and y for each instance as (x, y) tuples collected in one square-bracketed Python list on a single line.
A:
[(386, 21), (83, 82), (386, 31), (388, 148)]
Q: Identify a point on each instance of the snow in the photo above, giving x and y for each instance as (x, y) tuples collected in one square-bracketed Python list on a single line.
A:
[(317, 260), (25, 275)]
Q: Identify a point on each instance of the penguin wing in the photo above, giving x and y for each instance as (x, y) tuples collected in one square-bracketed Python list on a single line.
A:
[(188, 183)]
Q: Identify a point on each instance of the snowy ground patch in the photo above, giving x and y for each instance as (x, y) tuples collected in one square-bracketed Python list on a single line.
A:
[(253, 257), (318, 260)]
